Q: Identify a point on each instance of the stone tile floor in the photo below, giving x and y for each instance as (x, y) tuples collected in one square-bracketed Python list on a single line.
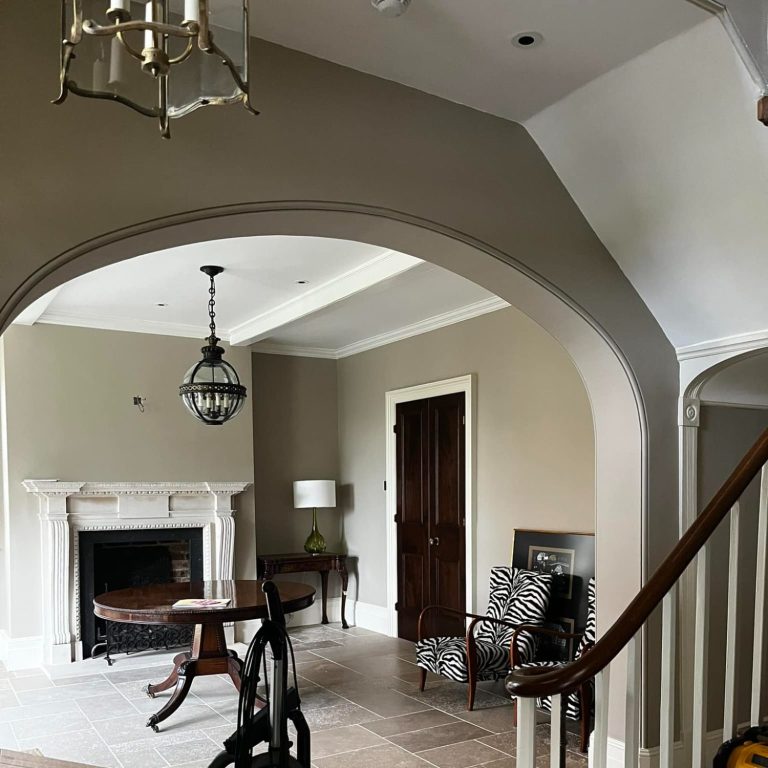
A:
[(359, 693)]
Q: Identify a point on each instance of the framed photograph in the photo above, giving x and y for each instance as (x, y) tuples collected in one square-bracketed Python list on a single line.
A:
[(570, 558), (558, 562)]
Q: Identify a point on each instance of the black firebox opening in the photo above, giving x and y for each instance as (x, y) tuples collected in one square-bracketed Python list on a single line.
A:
[(112, 560)]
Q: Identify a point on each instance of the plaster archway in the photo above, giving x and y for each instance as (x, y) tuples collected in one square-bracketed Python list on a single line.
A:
[(619, 414)]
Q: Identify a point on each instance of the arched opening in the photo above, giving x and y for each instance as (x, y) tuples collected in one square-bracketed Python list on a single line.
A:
[(617, 406)]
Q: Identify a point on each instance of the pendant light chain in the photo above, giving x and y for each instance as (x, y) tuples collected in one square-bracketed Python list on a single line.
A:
[(212, 311)]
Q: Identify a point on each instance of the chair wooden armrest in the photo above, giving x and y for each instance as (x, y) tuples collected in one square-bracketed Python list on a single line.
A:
[(444, 609), (514, 655)]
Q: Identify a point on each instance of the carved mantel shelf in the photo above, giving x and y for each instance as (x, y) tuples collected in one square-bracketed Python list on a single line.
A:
[(68, 507)]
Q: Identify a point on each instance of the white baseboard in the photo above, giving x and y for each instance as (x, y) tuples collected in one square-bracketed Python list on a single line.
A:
[(20, 652), (369, 616), (358, 614), (649, 757)]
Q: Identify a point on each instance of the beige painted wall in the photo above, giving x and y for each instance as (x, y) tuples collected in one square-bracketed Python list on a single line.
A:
[(535, 439), (70, 416), (295, 437)]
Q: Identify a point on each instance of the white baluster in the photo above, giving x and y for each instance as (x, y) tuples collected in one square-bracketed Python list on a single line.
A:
[(758, 643), (729, 704), (632, 713), (526, 733), (700, 659), (600, 748), (556, 731), (668, 683)]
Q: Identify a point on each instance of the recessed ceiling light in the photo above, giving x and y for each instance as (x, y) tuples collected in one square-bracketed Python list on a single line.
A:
[(161, 304), (527, 39), (302, 282)]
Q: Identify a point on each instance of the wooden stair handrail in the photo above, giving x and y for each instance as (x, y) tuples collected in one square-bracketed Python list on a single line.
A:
[(568, 678)]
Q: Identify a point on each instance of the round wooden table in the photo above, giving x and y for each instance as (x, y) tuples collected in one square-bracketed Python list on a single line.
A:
[(209, 654)]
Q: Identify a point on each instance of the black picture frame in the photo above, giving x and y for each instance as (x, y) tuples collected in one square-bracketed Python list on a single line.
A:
[(570, 557)]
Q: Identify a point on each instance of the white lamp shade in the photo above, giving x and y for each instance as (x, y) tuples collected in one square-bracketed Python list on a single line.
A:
[(314, 493)]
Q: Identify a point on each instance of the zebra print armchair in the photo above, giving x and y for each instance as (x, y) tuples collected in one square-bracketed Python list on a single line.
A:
[(517, 597), (578, 703)]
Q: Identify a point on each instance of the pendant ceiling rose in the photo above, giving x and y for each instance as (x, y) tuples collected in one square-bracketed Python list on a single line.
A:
[(211, 390), (161, 58)]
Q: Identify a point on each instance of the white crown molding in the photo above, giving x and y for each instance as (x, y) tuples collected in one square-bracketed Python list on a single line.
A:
[(742, 342), (291, 351), (36, 309), (483, 307), (387, 265), (129, 325)]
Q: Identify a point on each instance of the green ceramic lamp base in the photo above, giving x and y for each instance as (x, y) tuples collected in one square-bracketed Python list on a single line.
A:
[(315, 542)]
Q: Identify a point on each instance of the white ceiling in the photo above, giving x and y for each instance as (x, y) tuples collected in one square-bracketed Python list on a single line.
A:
[(424, 298), (356, 297), (461, 50), (667, 161)]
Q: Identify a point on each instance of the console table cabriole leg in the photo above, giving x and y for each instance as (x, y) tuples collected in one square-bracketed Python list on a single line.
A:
[(344, 581), (324, 583)]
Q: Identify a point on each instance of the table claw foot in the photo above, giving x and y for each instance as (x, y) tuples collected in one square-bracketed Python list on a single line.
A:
[(148, 690), (152, 723)]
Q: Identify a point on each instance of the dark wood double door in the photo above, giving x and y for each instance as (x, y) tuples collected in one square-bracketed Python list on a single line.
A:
[(431, 557)]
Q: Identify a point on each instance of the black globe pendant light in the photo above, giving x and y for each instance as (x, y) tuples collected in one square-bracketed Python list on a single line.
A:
[(211, 390)]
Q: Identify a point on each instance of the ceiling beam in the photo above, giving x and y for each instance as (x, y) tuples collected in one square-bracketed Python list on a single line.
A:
[(36, 309), (262, 326)]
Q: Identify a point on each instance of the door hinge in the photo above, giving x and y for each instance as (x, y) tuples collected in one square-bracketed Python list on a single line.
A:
[(397, 518), (397, 606), (394, 428), (464, 420), (385, 485)]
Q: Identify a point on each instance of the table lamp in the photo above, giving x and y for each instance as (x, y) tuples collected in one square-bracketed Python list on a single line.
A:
[(314, 494)]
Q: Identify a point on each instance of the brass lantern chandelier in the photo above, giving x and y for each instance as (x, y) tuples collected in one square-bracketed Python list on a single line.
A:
[(211, 389), (162, 58)]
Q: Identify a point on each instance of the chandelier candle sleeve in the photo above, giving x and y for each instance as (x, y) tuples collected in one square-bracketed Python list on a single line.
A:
[(165, 58), (313, 494)]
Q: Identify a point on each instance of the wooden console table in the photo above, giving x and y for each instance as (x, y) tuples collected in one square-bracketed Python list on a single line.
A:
[(322, 563)]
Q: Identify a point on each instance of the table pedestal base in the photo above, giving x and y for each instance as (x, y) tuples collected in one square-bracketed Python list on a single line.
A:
[(209, 656)]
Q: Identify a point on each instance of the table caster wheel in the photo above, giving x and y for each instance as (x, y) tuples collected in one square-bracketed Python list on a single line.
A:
[(149, 691)]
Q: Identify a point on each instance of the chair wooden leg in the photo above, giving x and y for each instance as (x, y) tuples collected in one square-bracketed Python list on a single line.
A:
[(423, 680), (471, 671), (471, 688), (586, 715)]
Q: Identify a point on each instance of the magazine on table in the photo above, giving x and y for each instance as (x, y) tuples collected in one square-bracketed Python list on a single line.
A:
[(203, 602)]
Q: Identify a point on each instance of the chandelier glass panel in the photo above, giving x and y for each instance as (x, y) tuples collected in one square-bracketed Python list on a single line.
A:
[(162, 58)]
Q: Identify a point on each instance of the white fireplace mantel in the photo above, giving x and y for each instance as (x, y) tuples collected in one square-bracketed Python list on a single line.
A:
[(66, 508)]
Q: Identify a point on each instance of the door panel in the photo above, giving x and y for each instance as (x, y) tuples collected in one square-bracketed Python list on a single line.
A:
[(446, 508), (430, 512), (412, 516)]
